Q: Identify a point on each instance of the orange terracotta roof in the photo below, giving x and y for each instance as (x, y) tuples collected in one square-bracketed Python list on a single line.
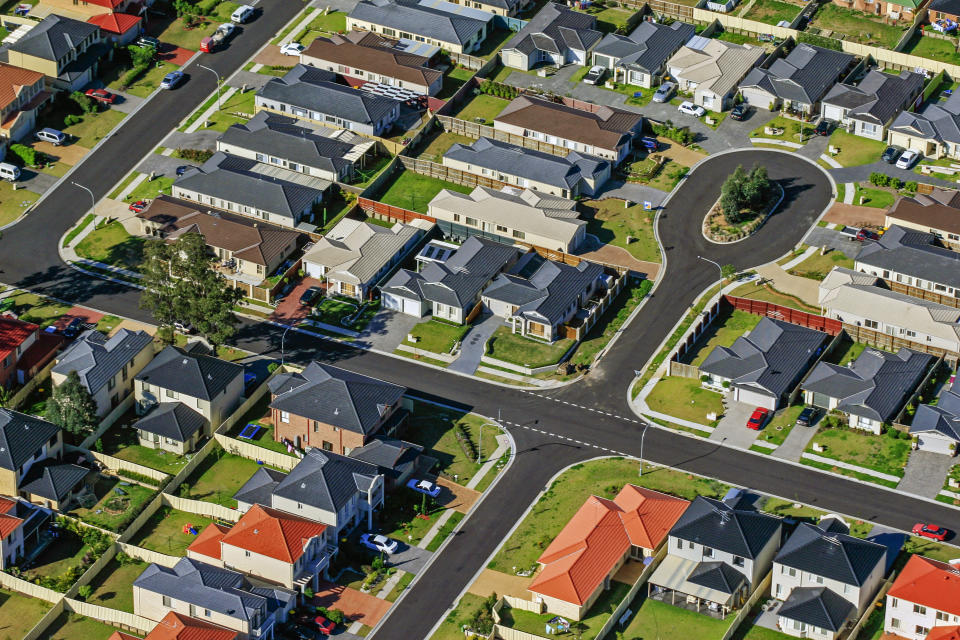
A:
[(944, 633), (118, 23), (208, 542), (929, 583), (109, 4), (13, 80), (119, 635), (8, 522), (595, 539), (175, 626), (273, 533)]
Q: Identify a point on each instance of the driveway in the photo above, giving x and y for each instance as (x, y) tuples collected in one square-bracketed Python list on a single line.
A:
[(290, 311), (68, 154), (732, 429), (250, 79), (815, 147), (926, 473), (795, 443), (356, 605), (474, 344), (503, 584), (632, 191), (834, 239), (386, 330), (594, 250), (411, 559), (271, 56), (195, 140), (455, 496), (163, 165), (861, 173), (127, 103), (807, 289), (36, 181)]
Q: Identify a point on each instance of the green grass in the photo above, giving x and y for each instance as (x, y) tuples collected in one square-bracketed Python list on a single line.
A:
[(333, 312), (237, 103), (654, 619), (785, 419), (857, 25), (177, 33), (793, 130), (260, 414), (587, 629), (722, 333), (87, 219), (845, 352), (148, 82), (150, 189), (873, 628), (930, 549), (855, 150), (19, 613), (612, 222), (865, 477), (772, 11), (495, 39), (449, 629), (736, 38), (116, 510), (755, 291), (93, 128), (749, 631), (879, 453), (439, 143), (510, 347), (333, 22), (30, 307), (401, 586), (435, 428), (121, 442), (878, 198), (14, 204), (933, 49), (684, 398), (71, 626), (610, 20), (785, 508), (219, 476), (444, 531), (414, 191), (111, 244), (57, 559), (163, 532), (107, 323), (818, 266), (436, 336), (113, 586), (482, 108)]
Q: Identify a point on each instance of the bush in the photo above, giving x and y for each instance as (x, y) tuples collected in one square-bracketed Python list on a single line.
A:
[(71, 120), (85, 102), (195, 155), (683, 135), (879, 179), (896, 183), (820, 41), (25, 154), (133, 75), (140, 56), (910, 185), (273, 366), (84, 592), (206, 7), (743, 195)]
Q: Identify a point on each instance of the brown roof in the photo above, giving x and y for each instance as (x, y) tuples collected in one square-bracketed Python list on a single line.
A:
[(251, 241), (364, 54), (606, 127), (13, 80), (927, 212)]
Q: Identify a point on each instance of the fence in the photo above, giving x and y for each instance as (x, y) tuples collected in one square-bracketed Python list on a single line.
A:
[(707, 316), (148, 555), (108, 421), (876, 602), (923, 294), (524, 605), (477, 130), (42, 376), (12, 583), (787, 314), (118, 466), (892, 343), (92, 571), (40, 628), (122, 619), (682, 370), (383, 211), (597, 311), (201, 508), (622, 607), (744, 612), (443, 172), (255, 452), (141, 519)]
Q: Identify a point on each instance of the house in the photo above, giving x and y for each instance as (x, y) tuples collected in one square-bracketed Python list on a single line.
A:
[(937, 212), (712, 70), (868, 108), (22, 96), (216, 595), (267, 543), (282, 141), (872, 389), (367, 56), (717, 553), (106, 366), (578, 565), (913, 258), (355, 255), (242, 250), (118, 28), (21, 525), (174, 626), (90, 8), (555, 36), (173, 427), (507, 8), (825, 579), (16, 338), (934, 130), (925, 595), (253, 189), (797, 82), (764, 366), (562, 176), (312, 94), (66, 51), (207, 385), (324, 487), (510, 215), (890, 10), (936, 428), (450, 290), (606, 132), (943, 10), (332, 409), (640, 59), (538, 297), (397, 460), (452, 27)]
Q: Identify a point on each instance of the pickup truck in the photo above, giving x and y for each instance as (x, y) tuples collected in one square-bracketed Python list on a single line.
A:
[(213, 42)]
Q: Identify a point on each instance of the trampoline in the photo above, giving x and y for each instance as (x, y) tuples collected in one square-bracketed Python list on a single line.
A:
[(249, 431)]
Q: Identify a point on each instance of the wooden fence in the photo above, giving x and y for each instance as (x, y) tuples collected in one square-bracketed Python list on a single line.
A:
[(443, 172), (40, 629), (12, 583), (42, 377), (383, 211), (477, 130), (892, 343), (118, 466), (923, 294), (787, 314), (681, 370)]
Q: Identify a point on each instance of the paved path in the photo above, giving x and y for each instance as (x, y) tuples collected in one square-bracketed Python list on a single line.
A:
[(474, 344), (795, 443), (926, 473), (804, 288), (732, 429)]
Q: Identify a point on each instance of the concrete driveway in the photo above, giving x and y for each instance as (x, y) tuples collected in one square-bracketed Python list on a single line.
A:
[(386, 330), (795, 443), (732, 429), (127, 102), (409, 558), (163, 165), (195, 140), (836, 240), (252, 79), (926, 473), (474, 344), (36, 181)]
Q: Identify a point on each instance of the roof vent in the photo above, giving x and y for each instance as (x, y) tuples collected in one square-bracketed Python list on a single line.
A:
[(303, 485), (185, 361), (336, 411), (256, 531)]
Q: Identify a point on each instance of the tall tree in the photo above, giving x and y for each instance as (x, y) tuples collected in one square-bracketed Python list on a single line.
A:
[(159, 295), (71, 406)]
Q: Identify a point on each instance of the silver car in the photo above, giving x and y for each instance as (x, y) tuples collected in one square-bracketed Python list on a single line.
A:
[(664, 92), (595, 75)]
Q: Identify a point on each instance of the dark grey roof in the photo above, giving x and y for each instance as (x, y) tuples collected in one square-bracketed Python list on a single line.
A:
[(803, 76), (193, 374), (335, 396), (52, 480), (833, 555), (875, 385), (936, 121), (259, 488), (21, 436), (741, 531), (556, 29), (770, 360), (387, 453), (878, 97), (945, 6), (54, 38), (817, 606), (914, 253), (648, 47), (944, 417), (173, 420), (718, 576), (97, 359), (442, 21)]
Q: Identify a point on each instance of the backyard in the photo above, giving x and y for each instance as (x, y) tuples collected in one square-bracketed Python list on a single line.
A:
[(439, 142), (612, 19), (585, 629), (684, 398), (482, 108), (857, 26), (846, 351), (653, 616), (259, 414), (436, 335), (757, 291), (218, 477), (71, 626), (881, 453), (453, 80), (436, 428), (772, 11), (163, 532), (112, 244), (113, 585), (122, 442), (818, 266), (118, 503), (512, 347), (629, 228), (933, 48), (409, 190), (19, 613), (855, 150), (722, 332), (65, 553)]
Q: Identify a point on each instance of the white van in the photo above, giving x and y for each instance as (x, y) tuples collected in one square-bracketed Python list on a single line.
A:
[(52, 136), (241, 14), (9, 171)]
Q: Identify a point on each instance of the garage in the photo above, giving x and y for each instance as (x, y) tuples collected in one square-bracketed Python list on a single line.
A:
[(404, 305), (754, 398), (313, 270), (833, 112), (935, 442), (757, 98), (607, 62)]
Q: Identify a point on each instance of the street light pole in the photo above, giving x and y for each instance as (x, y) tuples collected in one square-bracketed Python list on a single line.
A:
[(646, 425), (283, 337), (218, 83), (93, 200), (714, 263)]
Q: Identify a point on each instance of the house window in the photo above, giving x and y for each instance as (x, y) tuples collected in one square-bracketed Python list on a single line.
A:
[(871, 324), (944, 617), (918, 608), (170, 393), (471, 222), (166, 601), (921, 630), (502, 228), (285, 417), (246, 553), (316, 426), (520, 235), (206, 612), (327, 446), (792, 572), (456, 217), (893, 603), (691, 545), (679, 544), (707, 552), (737, 561), (146, 388), (894, 623), (111, 383)]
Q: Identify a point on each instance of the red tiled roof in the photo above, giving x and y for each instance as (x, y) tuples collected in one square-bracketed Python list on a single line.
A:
[(109, 4), (119, 635), (597, 537), (118, 23), (273, 533), (929, 583), (8, 523), (13, 79), (175, 626), (944, 633), (12, 334), (208, 542)]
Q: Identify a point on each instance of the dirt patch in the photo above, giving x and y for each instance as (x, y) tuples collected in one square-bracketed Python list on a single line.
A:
[(271, 56), (133, 325), (70, 154), (610, 254), (853, 215), (455, 496), (678, 153), (358, 606), (490, 581)]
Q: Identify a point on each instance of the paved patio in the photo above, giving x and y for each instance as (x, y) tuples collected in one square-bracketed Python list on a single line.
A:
[(356, 605), (926, 473), (630, 572), (89, 316)]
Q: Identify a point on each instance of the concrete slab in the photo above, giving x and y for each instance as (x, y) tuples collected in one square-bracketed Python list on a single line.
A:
[(250, 79), (490, 581), (386, 330), (630, 572), (821, 236), (163, 165), (474, 344), (732, 429), (633, 192), (795, 443), (127, 103), (926, 473)]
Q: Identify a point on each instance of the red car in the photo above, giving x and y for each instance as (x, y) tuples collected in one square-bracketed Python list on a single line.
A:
[(931, 531), (758, 418), (866, 234), (101, 95), (325, 626), (138, 206)]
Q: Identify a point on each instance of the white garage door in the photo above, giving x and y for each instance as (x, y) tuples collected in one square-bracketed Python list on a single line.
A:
[(312, 270), (401, 304), (758, 99), (831, 112), (934, 443), (754, 398)]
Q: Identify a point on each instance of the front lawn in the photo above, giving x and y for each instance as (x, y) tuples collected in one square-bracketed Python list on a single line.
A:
[(436, 336), (880, 453), (218, 477), (857, 26), (145, 84), (818, 266), (934, 49), (223, 118), (119, 503), (462, 614), (585, 629), (150, 189), (793, 130), (113, 586), (684, 398), (779, 427), (436, 428), (30, 307), (111, 244), (177, 33), (877, 198), (526, 352), (20, 613), (335, 312), (413, 191), (772, 11), (786, 509), (94, 127), (723, 332), (331, 23), (654, 616), (163, 532), (855, 150), (630, 228), (72, 626), (14, 204), (482, 108)]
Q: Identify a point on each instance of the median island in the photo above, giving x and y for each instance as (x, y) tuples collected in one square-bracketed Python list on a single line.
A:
[(746, 200)]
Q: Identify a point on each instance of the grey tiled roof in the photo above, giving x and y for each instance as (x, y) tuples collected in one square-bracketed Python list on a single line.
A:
[(52, 480), (742, 532), (326, 480), (556, 28), (717, 576), (936, 121), (442, 21), (804, 75), (193, 374), (173, 420), (21, 436), (944, 417), (817, 606), (914, 253), (259, 488), (357, 251), (878, 97), (833, 555), (97, 359), (648, 47), (387, 453), (54, 37), (945, 6)]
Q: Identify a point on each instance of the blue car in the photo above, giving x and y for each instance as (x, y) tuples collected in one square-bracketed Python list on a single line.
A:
[(424, 486), (171, 80)]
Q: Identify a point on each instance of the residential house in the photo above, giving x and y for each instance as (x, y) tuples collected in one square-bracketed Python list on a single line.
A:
[(937, 427), (538, 297), (890, 10), (312, 94), (640, 59), (66, 51), (397, 460), (21, 524), (712, 69), (106, 366), (332, 409), (913, 258), (764, 366), (825, 579), (797, 82), (452, 27), (507, 8), (934, 130), (937, 212), (16, 338), (943, 10), (450, 290), (369, 57), (562, 176), (605, 132), (269, 138), (253, 189), (270, 544), (118, 28), (325, 487), (868, 108), (925, 595), (216, 595), (717, 553), (555, 36), (206, 385), (510, 215), (22, 96), (174, 626), (81, 10), (602, 536), (355, 255)]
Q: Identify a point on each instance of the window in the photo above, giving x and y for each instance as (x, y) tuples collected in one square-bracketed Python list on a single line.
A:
[(327, 446), (921, 630), (206, 612), (111, 383), (945, 617), (166, 601), (246, 553), (691, 545), (737, 561), (285, 417), (146, 388), (316, 426), (919, 608), (818, 579), (520, 235), (871, 324), (125, 372), (679, 544), (893, 603), (894, 623), (471, 222), (456, 217), (500, 227), (261, 157), (707, 552), (170, 393), (792, 572)]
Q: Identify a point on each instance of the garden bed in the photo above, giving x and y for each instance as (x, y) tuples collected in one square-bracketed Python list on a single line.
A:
[(118, 503), (745, 203)]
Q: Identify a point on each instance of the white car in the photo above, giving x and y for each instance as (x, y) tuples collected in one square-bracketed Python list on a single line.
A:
[(690, 109), (664, 91), (907, 159), (595, 75), (378, 542), (292, 49)]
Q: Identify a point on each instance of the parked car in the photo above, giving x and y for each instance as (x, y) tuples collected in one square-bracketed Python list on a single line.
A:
[(148, 41), (172, 79), (310, 295), (424, 486), (740, 112), (182, 169), (138, 206), (249, 382), (72, 330), (807, 417), (867, 234), (183, 327), (9, 171), (890, 154), (650, 143), (241, 14), (690, 109), (324, 625), (379, 542), (907, 159), (595, 75), (824, 127), (664, 91), (758, 418), (101, 95), (53, 136), (292, 49), (932, 531)]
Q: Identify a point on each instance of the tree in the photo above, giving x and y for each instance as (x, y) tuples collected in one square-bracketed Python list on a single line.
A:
[(728, 271), (85, 102), (159, 295), (71, 406), (141, 57)]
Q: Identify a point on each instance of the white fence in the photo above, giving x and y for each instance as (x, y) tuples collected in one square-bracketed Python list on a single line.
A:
[(118, 466), (113, 617), (148, 555), (12, 583), (108, 421), (759, 592), (201, 508), (625, 603)]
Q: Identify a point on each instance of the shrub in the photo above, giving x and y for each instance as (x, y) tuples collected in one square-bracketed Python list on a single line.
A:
[(896, 183), (273, 366), (133, 75), (85, 102), (71, 120), (26, 154), (879, 179), (820, 41), (85, 592), (336, 616), (195, 155), (206, 7), (910, 185)]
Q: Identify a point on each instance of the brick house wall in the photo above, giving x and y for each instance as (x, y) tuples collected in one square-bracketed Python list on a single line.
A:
[(312, 433)]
